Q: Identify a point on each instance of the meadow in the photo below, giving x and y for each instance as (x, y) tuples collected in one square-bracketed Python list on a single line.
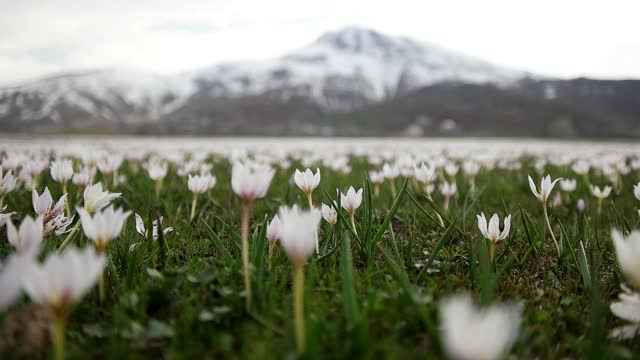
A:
[(410, 275)]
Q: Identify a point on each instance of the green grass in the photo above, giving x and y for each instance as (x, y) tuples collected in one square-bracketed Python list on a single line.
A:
[(182, 296)]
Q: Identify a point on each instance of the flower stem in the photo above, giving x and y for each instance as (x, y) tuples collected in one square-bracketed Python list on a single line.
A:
[(193, 207), (2, 201), (446, 203), (69, 237), (158, 188), (315, 233), (393, 187), (59, 325), (271, 246), (298, 306), (353, 223), (246, 210), (546, 216)]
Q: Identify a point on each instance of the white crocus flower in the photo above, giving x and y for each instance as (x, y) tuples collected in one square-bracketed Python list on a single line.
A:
[(157, 170), (62, 171), (274, 227), (200, 184), (568, 185), (626, 308), (491, 230), (7, 183), (250, 181), (351, 200), (4, 217), (424, 174), (546, 186), (26, 239), (329, 214), (12, 269), (63, 278), (103, 226), (140, 228), (628, 254), (600, 193), (82, 178), (307, 181), (448, 190), (297, 232), (472, 333), (95, 199)]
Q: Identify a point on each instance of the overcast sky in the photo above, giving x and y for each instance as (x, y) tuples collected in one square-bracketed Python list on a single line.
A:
[(562, 38)]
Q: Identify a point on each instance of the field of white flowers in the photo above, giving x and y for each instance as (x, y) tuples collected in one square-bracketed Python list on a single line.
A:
[(316, 248)]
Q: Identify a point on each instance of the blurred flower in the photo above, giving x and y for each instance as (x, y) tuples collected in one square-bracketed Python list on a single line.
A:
[(451, 169), (580, 205), (7, 183), (27, 239), (557, 201), (154, 227), (628, 254), (448, 190), (568, 185), (600, 193), (4, 217), (157, 169), (636, 190), (273, 229), (12, 269), (626, 308), (200, 184), (250, 181), (62, 171), (82, 178), (471, 333), (425, 174), (329, 214)]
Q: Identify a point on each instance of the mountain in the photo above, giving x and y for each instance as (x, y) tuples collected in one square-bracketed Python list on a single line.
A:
[(353, 81)]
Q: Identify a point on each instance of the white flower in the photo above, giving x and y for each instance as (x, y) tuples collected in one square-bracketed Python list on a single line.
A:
[(636, 190), (157, 169), (110, 164), (627, 308), (103, 226), (628, 254), (492, 230), (424, 174), (600, 193), (329, 214), (200, 184), (581, 167), (376, 177), (471, 168), (390, 172), (63, 278), (61, 170), (95, 199), (568, 185), (42, 204), (546, 186), (580, 205), (26, 239), (273, 229), (352, 200), (251, 181), (11, 272), (4, 217), (451, 169), (7, 183), (298, 232), (307, 181), (472, 333), (448, 189), (154, 227), (83, 178)]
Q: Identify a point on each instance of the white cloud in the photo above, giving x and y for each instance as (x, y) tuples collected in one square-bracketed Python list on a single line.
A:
[(560, 38)]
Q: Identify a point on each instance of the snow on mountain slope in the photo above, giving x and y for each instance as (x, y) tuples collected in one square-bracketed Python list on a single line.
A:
[(357, 61), (340, 71)]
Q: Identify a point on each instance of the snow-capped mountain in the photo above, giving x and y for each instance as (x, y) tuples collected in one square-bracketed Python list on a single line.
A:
[(339, 72)]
